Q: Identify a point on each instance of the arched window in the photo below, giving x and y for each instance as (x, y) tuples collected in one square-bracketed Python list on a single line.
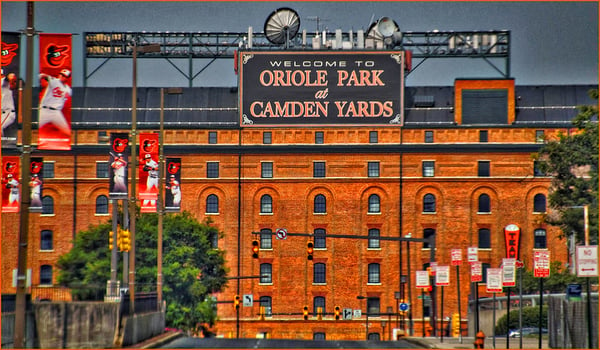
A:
[(539, 239), (374, 273), (47, 205), (266, 273), (320, 204), (320, 241), (374, 206), (318, 302), (101, 204), (46, 274), (212, 204), (485, 239), (46, 240), (484, 204), (539, 203), (266, 204), (373, 238), (429, 203), (319, 273)]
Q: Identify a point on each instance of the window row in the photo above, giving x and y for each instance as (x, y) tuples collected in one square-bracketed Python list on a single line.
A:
[(484, 203), (483, 168), (319, 204), (483, 136), (320, 238), (101, 205), (484, 238), (320, 273)]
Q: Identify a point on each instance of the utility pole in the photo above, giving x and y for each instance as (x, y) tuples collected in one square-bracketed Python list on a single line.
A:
[(20, 311)]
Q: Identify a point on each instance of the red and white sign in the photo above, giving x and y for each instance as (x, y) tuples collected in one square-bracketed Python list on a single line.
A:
[(442, 276), (512, 237), (281, 233), (587, 261), (422, 279), (11, 185), (456, 256), (509, 272), (541, 263), (149, 171), (476, 275), (494, 281), (433, 267), (472, 254)]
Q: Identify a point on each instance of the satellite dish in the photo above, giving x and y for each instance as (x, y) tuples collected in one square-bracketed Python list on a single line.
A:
[(282, 25)]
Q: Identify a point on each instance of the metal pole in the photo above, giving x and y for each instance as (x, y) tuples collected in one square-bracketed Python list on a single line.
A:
[(133, 168), (114, 257), (160, 206), (540, 313), (476, 307), (442, 315), (20, 307), (507, 316), (588, 303), (520, 307), (459, 312), (410, 315)]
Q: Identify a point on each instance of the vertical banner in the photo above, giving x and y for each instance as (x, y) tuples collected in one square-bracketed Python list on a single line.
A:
[(11, 188), (54, 109), (148, 172), (36, 184), (512, 237), (119, 155), (11, 43), (173, 185)]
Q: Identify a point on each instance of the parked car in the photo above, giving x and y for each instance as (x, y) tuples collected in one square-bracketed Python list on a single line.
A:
[(526, 331)]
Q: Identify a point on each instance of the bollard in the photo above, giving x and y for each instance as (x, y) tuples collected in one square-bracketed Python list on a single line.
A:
[(479, 340)]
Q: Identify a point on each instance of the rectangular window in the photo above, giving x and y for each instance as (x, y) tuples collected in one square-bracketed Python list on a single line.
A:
[(428, 168), (373, 305), (536, 169), (102, 137), (266, 169), (48, 170), (318, 169), (483, 136), (267, 137), (485, 239), (102, 170), (373, 137), (539, 136), (319, 138), (374, 273), (429, 136), (484, 106), (374, 238), (212, 137), (212, 170), (266, 239), (319, 273), (266, 273), (483, 168), (373, 169)]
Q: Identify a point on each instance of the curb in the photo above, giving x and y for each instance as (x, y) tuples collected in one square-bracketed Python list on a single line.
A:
[(157, 341)]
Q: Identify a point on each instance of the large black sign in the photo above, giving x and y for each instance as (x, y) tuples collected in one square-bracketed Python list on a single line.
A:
[(319, 88)]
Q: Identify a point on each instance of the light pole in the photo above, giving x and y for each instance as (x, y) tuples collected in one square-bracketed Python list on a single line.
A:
[(132, 199), (361, 297), (159, 202)]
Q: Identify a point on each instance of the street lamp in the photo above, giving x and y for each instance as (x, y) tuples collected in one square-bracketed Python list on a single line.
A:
[(361, 297), (132, 200), (159, 202)]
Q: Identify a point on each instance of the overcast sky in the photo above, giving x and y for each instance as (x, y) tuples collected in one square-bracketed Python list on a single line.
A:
[(551, 42)]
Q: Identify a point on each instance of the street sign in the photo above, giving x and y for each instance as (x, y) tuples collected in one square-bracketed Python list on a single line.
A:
[(587, 261), (509, 272), (476, 275), (433, 265), (281, 233), (357, 313), (541, 263), (456, 256), (494, 281), (247, 300), (403, 306), (472, 254), (422, 279), (347, 314), (442, 276)]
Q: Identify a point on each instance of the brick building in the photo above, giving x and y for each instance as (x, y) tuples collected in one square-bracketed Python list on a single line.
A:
[(441, 173)]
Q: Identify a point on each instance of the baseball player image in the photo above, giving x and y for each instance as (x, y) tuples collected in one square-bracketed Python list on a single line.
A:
[(13, 185), (8, 103), (151, 167), (173, 185), (36, 191), (56, 93), (119, 165)]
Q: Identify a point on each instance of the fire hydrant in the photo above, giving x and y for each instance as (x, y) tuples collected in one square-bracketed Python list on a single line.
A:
[(479, 340)]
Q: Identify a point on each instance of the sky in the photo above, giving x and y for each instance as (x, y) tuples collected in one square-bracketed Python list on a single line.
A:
[(551, 42)]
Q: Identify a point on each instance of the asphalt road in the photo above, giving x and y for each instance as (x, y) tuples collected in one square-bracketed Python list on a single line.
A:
[(219, 343)]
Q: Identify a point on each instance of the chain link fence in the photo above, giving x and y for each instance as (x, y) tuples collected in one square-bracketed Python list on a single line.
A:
[(568, 323)]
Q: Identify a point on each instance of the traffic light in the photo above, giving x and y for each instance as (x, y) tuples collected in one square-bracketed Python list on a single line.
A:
[(125, 240), (309, 250), (455, 325), (236, 302), (111, 241), (337, 312), (255, 249), (120, 239), (305, 313), (319, 313)]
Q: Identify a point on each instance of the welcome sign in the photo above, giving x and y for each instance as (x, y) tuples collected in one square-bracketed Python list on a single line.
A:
[(307, 88)]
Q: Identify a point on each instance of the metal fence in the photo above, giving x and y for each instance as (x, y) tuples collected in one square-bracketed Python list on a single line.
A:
[(567, 323)]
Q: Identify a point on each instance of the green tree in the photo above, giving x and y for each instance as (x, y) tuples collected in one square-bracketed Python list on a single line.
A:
[(572, 160), (557, 282), (192, 268), (530, 318)]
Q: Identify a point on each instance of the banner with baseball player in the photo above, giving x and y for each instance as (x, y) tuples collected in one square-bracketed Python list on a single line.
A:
[(148, 172), (10, 62), (36, 183), (119, 156), (54, 109), (173, 185), (11, 187)]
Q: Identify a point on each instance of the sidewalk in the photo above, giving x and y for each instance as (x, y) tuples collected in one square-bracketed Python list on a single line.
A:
[(467, 343), (156, 341)]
